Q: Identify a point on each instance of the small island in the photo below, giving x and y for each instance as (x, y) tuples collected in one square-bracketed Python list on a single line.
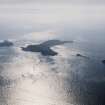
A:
[(6, 43), (103, 61), (80, 55), (45, 47)]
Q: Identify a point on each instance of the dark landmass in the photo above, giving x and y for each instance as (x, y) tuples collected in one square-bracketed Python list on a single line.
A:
[(45, 47), (79, 55), (103, 61), (6, 43)]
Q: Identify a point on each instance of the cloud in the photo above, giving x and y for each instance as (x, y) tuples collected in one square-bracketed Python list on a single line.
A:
[(55, 1)]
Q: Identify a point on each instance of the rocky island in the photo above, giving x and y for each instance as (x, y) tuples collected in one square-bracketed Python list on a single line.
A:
[(45, 47), (6, 43), (103, 61)]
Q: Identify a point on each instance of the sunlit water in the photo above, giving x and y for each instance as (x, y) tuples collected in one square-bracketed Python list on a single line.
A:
[(28, 78)]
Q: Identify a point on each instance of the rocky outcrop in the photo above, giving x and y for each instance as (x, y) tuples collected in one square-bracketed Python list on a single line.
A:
[(103, 61), (6, 43), (45, 47)]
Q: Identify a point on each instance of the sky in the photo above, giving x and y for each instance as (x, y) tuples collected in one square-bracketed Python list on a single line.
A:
[(20, 17), (55, 1)]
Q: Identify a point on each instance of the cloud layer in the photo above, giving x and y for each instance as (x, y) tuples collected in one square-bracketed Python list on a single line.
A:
[(55, 1)]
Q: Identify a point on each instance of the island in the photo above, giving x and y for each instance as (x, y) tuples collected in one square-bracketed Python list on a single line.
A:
[(103, 61), (45, 47), (80, 55), (6, 43)]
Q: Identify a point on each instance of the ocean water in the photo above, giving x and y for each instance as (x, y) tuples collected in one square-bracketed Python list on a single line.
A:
[(29, 78)]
